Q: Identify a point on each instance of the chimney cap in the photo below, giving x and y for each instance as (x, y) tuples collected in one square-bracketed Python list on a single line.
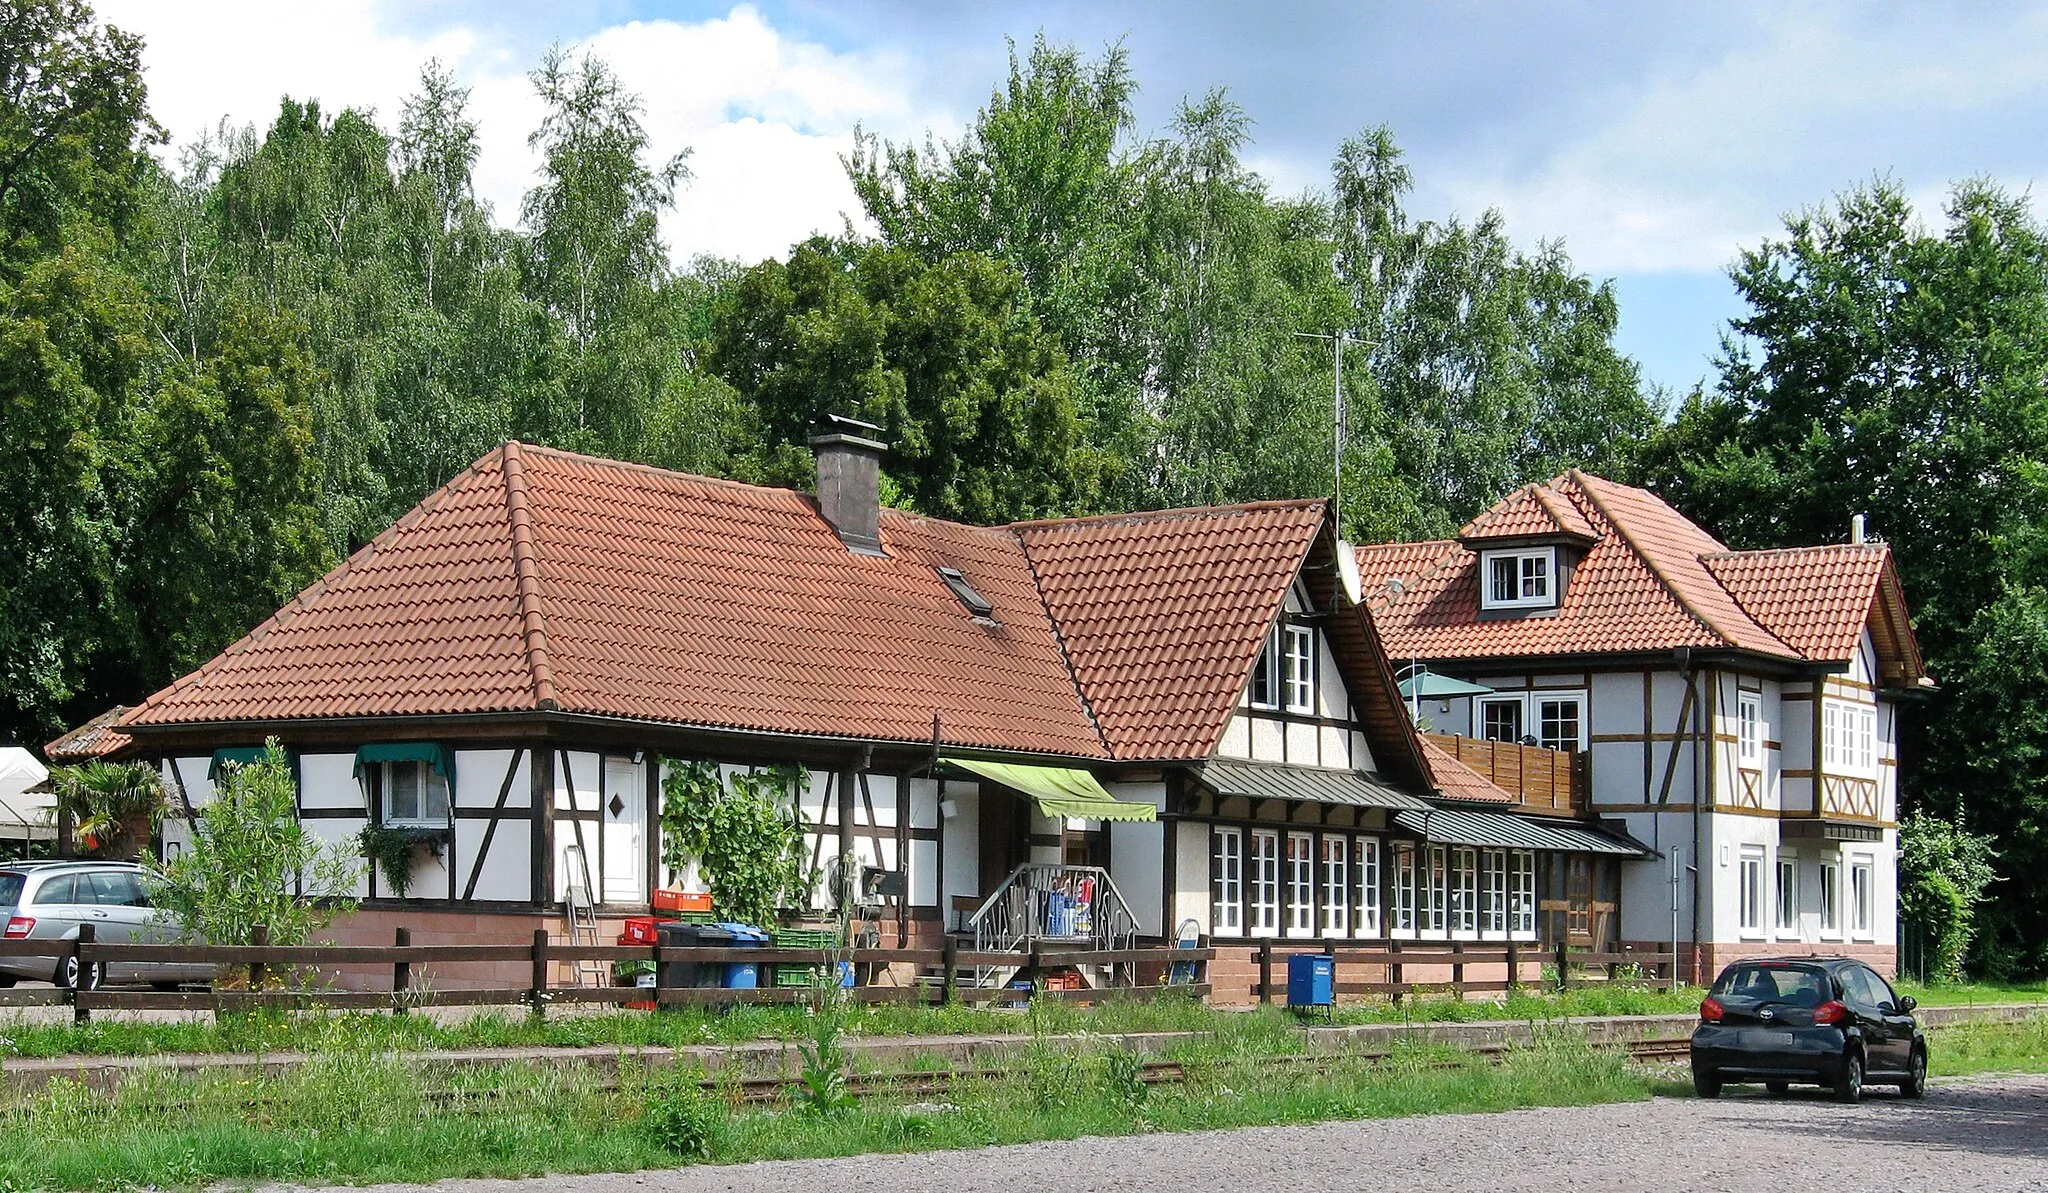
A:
[(837, 429)]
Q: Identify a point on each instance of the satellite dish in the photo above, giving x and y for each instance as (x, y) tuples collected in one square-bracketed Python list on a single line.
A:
[(1347, 571)]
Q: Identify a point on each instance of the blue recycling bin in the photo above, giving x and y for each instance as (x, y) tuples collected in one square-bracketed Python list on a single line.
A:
[(1311, 980), (743, 975)]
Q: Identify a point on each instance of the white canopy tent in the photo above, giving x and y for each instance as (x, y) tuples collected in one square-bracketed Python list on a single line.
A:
[(27, 806)]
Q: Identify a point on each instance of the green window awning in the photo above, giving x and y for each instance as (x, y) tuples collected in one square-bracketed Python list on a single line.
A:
[(233, 756), (433, 753), (1448, 826), (1058, 790)]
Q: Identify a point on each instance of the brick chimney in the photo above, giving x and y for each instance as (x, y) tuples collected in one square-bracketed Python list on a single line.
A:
[(850, 481)]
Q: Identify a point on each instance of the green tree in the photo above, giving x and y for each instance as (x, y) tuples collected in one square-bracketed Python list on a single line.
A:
[(746, 831), (1944, 872), (251, 862), (975, 400)]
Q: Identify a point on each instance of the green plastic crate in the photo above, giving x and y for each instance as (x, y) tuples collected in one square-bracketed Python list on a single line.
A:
[(804, 938), (799, 976)]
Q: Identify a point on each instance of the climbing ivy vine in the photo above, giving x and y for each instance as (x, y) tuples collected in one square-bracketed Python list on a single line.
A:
[(745, 832)]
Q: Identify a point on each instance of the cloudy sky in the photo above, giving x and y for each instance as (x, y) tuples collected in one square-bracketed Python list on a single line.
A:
[(1653, 143)]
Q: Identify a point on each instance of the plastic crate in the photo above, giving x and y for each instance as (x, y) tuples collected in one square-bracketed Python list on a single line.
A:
[(805, 938), (674, 900), (787, 976)]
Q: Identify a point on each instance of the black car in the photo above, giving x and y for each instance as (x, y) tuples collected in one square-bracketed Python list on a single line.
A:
[(1827, 1021)]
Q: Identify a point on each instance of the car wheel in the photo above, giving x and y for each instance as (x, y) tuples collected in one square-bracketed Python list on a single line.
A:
[(1849, 1086), (1777, 1089), (1915, 1084), (1706, 1083), (68, 975)]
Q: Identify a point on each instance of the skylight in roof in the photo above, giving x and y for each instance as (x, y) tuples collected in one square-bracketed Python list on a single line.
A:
[(974, 602)]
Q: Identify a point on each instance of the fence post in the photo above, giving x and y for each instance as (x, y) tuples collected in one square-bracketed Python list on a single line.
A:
[(1514, 967), (258, 936), (1265, 971), (1458, 972), (1394, 972), (401, 972), (1330, 951), (537, 995), (1564, 971), (950, 966), (80, 1013)]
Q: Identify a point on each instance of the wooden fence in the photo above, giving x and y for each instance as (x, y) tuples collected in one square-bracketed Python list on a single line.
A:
[(267, 976), (1552, 781), (1398, 961)]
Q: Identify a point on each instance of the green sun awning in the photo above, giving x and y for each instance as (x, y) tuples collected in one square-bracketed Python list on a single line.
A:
[(433, 753), (233, 756), (1058, 790), (1428, 685)]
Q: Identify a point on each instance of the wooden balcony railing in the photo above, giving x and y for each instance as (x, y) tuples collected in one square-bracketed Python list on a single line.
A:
[(1552, 782)]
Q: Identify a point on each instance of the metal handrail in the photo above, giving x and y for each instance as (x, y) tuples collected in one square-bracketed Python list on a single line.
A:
[(1042, 901)]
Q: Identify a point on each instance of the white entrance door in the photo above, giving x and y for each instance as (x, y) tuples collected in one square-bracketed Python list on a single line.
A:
[(623, 811)]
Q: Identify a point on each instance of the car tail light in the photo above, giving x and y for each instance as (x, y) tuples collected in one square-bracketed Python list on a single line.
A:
[(18, 927), (1710, 1011), (1830, 1012)]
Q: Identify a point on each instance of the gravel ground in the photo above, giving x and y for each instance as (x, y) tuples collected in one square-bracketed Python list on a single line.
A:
[(1977, 1135)]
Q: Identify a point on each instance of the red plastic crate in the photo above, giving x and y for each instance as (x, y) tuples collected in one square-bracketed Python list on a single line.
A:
[(639, 929), (668, 900)]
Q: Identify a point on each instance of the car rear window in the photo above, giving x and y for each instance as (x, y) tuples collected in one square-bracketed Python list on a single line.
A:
[(55, 890), (1799, 985), (10, 888)]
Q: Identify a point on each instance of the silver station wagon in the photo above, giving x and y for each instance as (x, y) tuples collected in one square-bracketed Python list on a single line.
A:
[(51, 900)]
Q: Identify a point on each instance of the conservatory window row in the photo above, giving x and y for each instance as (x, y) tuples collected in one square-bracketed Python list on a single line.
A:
[(1301, 884)]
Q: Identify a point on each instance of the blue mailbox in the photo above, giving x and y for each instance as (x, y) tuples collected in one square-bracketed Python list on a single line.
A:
[(1311, 980)]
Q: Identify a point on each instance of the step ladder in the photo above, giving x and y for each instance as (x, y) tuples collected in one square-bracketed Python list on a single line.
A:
[(582, 916)]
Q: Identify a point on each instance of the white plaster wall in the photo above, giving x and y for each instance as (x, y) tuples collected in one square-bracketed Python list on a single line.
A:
[(1137, 852), (1191, 875), (962, 833)]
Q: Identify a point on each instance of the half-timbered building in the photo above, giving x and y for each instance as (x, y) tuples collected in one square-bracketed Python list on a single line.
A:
[(1738, 711)]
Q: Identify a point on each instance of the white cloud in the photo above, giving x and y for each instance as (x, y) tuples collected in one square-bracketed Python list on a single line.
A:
[(766, 115), (1697, 164)]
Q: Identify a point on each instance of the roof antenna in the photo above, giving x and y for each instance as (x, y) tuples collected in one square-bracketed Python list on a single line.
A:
[(1338, 340), (1856, 530)]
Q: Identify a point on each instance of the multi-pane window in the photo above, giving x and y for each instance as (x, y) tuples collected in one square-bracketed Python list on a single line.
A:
[(414, 793), (1830, 897), (1336, 886), (1299, 661), (1788, 893), (1265, 691), (1365, 871), (1749, 729), (1435, 895), (1301, 884), (1404, 887), (1494, 877), (1560, 721), (1519, 579), (1522, 887), (1848, 737), (1500, 720), (1465, 890), (1226, 882), (1265, 883), (1750, 892), (1862, 897)]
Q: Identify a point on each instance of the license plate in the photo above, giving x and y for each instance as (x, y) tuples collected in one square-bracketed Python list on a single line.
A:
[(1763, 1038)]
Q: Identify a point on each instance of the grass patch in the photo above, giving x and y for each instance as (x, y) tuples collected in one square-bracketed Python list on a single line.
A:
[(360, 1116), (1969, 1048)]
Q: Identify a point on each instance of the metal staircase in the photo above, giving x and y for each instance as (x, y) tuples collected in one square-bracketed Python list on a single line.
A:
[(1042, 903)]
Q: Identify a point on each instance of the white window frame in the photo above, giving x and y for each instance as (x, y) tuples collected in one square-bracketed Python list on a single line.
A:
[(1436, 897), (1226, 881), (1532, 721), (1749, 730), (1407, 869), (1336, 854), (1787, 891), (1830, 899), (1849, 738), (1266, 674), (1298, 667), (1749, 892), (1480, 705), (1493, 881), (1522, 887), (423, 813), (1464, 893), (1263, 873), (1862, 897), (1301, 884), (1533, 578), (1365, 869)]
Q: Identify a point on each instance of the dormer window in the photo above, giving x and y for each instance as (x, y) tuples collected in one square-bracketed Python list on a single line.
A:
[(1285, 676), (1519, 579), (971, 600)]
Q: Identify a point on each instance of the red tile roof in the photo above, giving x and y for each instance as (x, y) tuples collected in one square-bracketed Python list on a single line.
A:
[(1532, 511), (96, 738), (1164, 613), (1456, 781), (1651, 580)]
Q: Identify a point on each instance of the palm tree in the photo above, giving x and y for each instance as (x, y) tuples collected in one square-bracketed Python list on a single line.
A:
[(114, 806)]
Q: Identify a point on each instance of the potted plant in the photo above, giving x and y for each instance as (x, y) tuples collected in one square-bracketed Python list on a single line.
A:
[(114, 807), (393, 849)]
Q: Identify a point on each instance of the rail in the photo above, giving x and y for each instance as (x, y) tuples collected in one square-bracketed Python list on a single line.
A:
[(292, 977), (1078, 906)]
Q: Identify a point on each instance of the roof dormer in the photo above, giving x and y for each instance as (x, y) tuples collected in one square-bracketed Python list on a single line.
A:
[(1527, 544)]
